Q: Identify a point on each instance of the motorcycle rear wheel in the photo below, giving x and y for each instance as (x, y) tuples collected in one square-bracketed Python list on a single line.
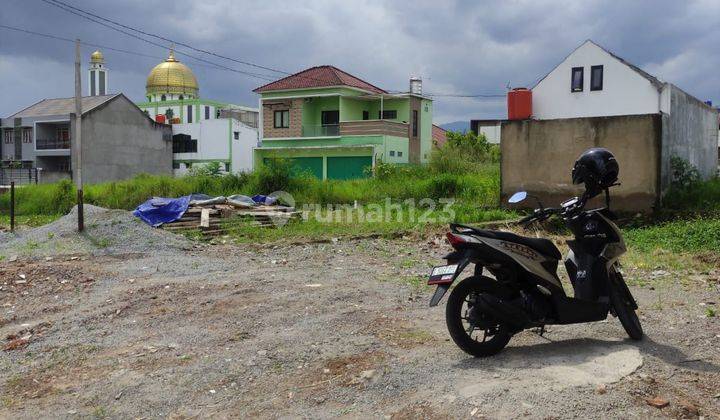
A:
[(455, 314)]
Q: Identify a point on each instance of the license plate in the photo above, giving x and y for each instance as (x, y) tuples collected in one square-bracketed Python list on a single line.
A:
[(442, 274)]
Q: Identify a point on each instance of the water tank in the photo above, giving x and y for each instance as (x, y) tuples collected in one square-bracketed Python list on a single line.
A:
[(415, 85), (160, 118), (519, 103)]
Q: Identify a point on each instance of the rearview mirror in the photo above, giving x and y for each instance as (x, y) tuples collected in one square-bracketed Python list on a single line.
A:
[(517, 197)]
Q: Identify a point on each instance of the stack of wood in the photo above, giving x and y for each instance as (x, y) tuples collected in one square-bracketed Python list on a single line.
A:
[(215, 219)]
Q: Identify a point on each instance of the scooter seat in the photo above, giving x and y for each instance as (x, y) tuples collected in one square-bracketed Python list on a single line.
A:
[(543, 246)]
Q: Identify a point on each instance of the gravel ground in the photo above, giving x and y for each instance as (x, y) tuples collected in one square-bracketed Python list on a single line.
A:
[(160, 328), (107, 232)]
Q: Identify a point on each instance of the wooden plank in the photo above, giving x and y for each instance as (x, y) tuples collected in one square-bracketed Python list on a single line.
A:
[(205, 218)]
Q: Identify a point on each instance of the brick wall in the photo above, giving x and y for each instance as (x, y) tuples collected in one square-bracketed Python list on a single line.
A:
[(295, 108)]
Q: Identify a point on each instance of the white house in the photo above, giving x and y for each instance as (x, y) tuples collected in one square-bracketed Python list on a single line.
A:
[(593, 82), (491, 129)]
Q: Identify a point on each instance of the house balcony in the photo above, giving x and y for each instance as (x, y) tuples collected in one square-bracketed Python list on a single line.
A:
[(52, 144), (52, 147), (326, 130), (374, 128)]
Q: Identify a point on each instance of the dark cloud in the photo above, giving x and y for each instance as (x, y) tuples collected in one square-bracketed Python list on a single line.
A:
[(465, 47)]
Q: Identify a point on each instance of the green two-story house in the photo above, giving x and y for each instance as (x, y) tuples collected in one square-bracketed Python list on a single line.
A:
[(336, 126)]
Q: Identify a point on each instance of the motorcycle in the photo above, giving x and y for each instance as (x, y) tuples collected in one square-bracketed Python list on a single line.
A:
[(525, 292)]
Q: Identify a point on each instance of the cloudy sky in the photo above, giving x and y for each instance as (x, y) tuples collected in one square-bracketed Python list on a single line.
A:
[(460, 47)]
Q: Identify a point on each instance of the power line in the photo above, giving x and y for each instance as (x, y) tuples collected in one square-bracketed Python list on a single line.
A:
[(60, 4), (457, 95), (214, 66), (105, 47), (256, 75), (94, 18)]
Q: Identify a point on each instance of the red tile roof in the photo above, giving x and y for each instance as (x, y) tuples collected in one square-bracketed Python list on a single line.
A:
[(320, 76), (439, 135)]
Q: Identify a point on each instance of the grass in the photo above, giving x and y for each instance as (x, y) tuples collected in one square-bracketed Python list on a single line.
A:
[(699, 198), (478, 188), (692, 235)]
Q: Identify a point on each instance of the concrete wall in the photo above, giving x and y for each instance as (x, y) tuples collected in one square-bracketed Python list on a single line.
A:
[(689, 132), (625, 91), (119, 142), (538, 156)]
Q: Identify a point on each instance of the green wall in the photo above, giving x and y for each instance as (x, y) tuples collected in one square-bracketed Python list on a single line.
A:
[(401, 105), (395, 144), (426, 115), (352, 109), (312, 110)]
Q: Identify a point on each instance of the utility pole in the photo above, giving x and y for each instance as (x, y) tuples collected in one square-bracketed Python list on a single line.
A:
[(78, 139)]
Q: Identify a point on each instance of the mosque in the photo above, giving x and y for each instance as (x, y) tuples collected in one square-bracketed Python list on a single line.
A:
[(204, 131)]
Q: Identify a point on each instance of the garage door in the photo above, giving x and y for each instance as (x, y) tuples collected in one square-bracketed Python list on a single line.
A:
[(312, 165), (348, 167)]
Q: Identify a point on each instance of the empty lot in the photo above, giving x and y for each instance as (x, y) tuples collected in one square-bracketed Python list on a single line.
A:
[(322, 330)]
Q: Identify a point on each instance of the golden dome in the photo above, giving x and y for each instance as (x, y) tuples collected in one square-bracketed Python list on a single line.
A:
[(96, 57), (171, 76)]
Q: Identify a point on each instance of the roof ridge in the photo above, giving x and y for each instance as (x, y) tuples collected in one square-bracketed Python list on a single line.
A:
[(325, 75)]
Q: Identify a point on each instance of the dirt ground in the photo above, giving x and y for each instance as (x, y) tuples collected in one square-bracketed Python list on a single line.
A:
[(339, 329)]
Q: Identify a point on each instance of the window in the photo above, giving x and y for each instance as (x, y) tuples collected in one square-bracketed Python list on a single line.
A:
[(189, 114), (236, 135), (102, 90), (387, 115), (576, 80), (182, 143), (415, 122), (366, 115), (207, 112), (596, 78), (8, 137), (63, 133), (181, 97), (27, 135), (392, 153), (399, 153), (162, 97), (330, 117), (282, 119), (92, 83)]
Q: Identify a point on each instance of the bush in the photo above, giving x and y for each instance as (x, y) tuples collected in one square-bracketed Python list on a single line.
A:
[(208, 169), (688, 193), (684, 174), (274, 175)]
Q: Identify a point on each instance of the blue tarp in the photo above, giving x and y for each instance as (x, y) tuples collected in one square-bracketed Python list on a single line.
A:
[(158, 210), (264, 199)]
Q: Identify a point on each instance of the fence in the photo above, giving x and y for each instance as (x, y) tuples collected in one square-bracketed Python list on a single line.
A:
[(18, 176)]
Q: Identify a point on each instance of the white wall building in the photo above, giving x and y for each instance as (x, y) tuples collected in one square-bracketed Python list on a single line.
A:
[(490, 128), (593, 82), (204, 131)]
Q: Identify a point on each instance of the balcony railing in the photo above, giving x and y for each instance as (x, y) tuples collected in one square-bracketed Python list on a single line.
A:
[(374, 128), (52, 144), (327, 130)]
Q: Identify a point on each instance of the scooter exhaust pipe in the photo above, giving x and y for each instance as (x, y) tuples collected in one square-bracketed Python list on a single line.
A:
[(502, 311)]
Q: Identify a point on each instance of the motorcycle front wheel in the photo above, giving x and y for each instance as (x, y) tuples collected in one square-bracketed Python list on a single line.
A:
[(476, 333), (623, 306)]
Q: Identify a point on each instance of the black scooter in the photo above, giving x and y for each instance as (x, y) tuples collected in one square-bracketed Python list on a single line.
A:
[(483, 313)]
